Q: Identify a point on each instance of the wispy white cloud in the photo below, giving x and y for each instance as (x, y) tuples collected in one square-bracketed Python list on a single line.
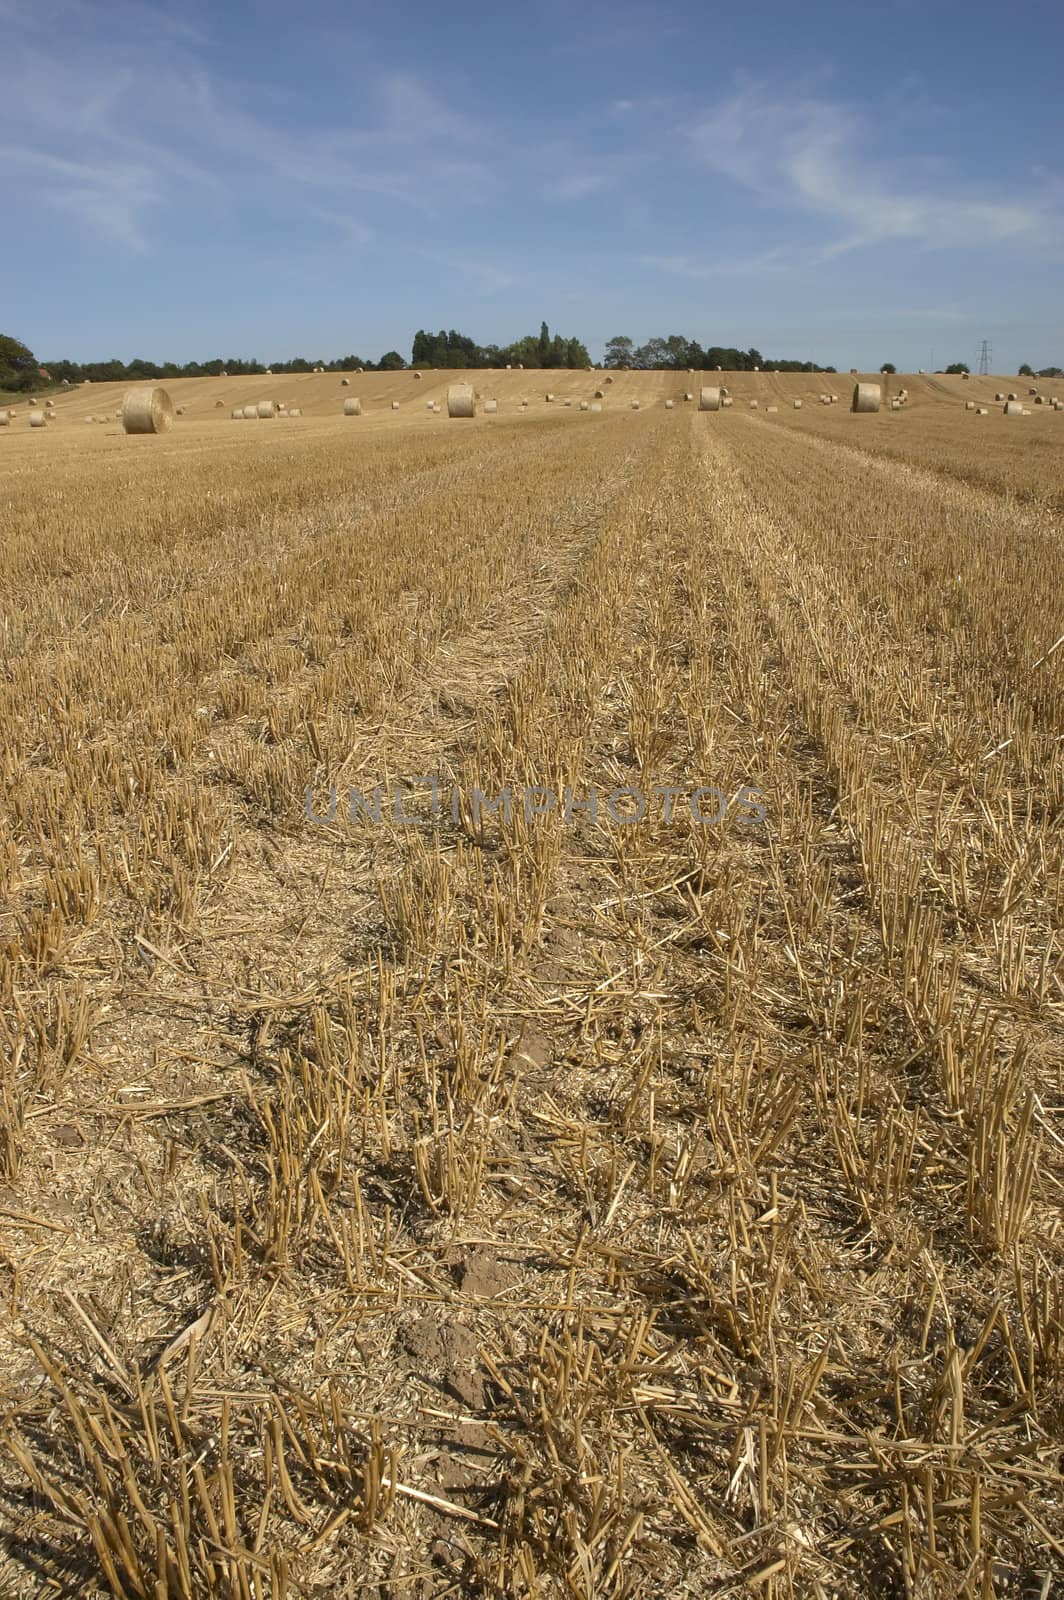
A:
[(109, 196), (578, 185), (684, 266), (810, 154), (484, 274), (351, 229), (571, 171), (70, 95)]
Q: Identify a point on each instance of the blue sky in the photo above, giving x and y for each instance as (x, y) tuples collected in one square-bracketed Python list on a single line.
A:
[(849, 183)]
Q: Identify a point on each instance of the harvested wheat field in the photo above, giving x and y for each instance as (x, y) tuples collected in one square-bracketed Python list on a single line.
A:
[(528, 1201)]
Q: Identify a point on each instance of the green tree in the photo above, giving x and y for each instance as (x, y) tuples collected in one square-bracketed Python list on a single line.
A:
[(955, 368), (619, 352), (391, 361), (888, 367), (1026, 371), (18, 364)]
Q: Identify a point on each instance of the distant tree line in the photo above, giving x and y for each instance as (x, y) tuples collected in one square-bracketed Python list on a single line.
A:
[(678, 352), (451, 349), (19, 368), (235, 366), (21, 371)]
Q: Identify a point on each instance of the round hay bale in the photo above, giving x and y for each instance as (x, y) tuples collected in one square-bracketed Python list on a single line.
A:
[(251, 412), (490, 407), (770, 409), (282, 411), (726, 400), (428, 405), (460, 400), (549, 396), (567, 402), (753, 405), (866, 397), (266, 408), (969, 405), (1025, 412), (688, 395), (635, 405), (49, 405), (33, 401), (797, 405), (395, 405), (757, 369), (417, 377), (1012, 395), (596, 405), (1038, 400), (981, 411), (895, 405), (353, 407), (5, 419), (584, 405), (609, 380), (668, 405), (117, 417), (180, 411), (1032, 391), (709, 399), (218, 403), (90, 419), (345, 383), (600, 394), (295, 412), (223, 373), (147, 410), (1013, 408), (36, 419), (237, 414), (269, 371), (999, 396)]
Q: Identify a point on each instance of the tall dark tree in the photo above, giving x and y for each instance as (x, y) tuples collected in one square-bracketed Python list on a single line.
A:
[(619, 351), (18, 364)]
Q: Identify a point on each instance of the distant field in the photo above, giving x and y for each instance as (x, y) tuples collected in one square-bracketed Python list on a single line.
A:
[(538, 1205)]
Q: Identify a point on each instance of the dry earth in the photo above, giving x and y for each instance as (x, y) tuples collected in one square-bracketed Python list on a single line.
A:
[(532, 1206)]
